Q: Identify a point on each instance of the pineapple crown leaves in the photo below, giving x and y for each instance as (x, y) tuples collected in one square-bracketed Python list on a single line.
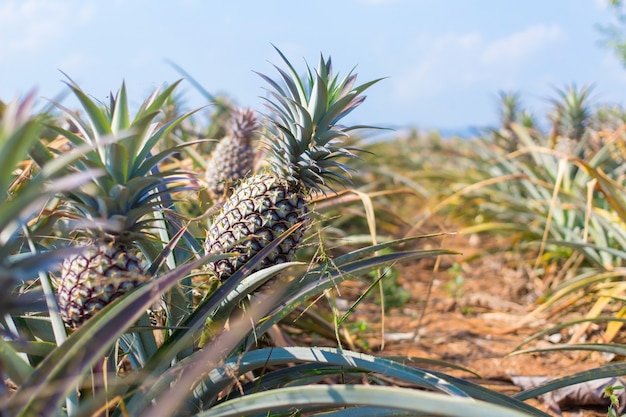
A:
[(304, 138), (124, 207), (243, 123), (125, 149), (129, 155)]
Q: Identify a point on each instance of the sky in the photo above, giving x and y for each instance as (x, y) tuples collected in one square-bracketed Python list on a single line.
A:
[(444, 61)]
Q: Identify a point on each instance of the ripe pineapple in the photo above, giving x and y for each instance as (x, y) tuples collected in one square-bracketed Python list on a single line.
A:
[(233, 157), (112, 218), (303, 142), (102, 272)]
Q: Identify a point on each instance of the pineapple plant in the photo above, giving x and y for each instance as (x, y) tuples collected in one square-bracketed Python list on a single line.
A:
[(303, 142), (26, 192), (111, 221), (234, 156)]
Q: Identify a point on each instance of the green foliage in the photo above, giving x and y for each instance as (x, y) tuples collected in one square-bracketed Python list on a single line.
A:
[(395, 296), (557, 198), (454, 287), (572, 112), (610, 393), (25, 195), (118, 363)]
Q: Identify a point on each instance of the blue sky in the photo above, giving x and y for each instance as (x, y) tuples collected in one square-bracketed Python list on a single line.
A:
[(446, 60)]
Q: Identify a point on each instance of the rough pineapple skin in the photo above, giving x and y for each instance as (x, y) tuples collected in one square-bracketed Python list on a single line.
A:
[(260, 209), (232, 159), (95, 277)]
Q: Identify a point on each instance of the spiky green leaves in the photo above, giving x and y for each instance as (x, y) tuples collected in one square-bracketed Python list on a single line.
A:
[(122, 145), (243, 123), (303, 138), (126, 149), (24, 193)]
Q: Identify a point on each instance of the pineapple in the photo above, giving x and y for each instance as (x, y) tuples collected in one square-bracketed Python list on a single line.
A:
[(100, 273), (233, 157), (112, 219), (303, 142)]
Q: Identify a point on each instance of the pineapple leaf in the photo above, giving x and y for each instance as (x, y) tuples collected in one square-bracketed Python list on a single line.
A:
[(294, 85), (212, 308), (155, 102), (115, 155), (120, 119), (303, 116), (135, 137), (312, 283), (203, 91), (149, 163), (150, 143), (65, 366), (95, 115), (15, 366), (18, 132), (275, 86), (361, 400), (294, 79), (319, 100)]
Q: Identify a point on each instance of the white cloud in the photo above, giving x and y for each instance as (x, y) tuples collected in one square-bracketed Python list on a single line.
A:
[(519, 46), (29, 25), (455, 61), (440, 64), (601, 4)]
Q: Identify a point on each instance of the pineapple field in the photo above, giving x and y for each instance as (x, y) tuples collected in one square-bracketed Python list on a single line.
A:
[(220, 261)]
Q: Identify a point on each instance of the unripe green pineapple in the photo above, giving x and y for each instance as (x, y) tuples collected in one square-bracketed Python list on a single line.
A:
[(233, 157), (303, 143), (112, 218)]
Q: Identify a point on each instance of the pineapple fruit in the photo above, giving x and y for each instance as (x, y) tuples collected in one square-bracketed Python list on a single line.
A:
[(112, 219), (303, 144), (100, 273), (234, 156)]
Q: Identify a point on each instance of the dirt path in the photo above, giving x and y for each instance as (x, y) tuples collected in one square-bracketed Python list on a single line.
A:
[(461, 315)]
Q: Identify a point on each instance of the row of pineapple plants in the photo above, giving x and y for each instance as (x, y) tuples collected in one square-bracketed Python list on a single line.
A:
[(131, 251), (558, 194), (105, 261), (553, 201)]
